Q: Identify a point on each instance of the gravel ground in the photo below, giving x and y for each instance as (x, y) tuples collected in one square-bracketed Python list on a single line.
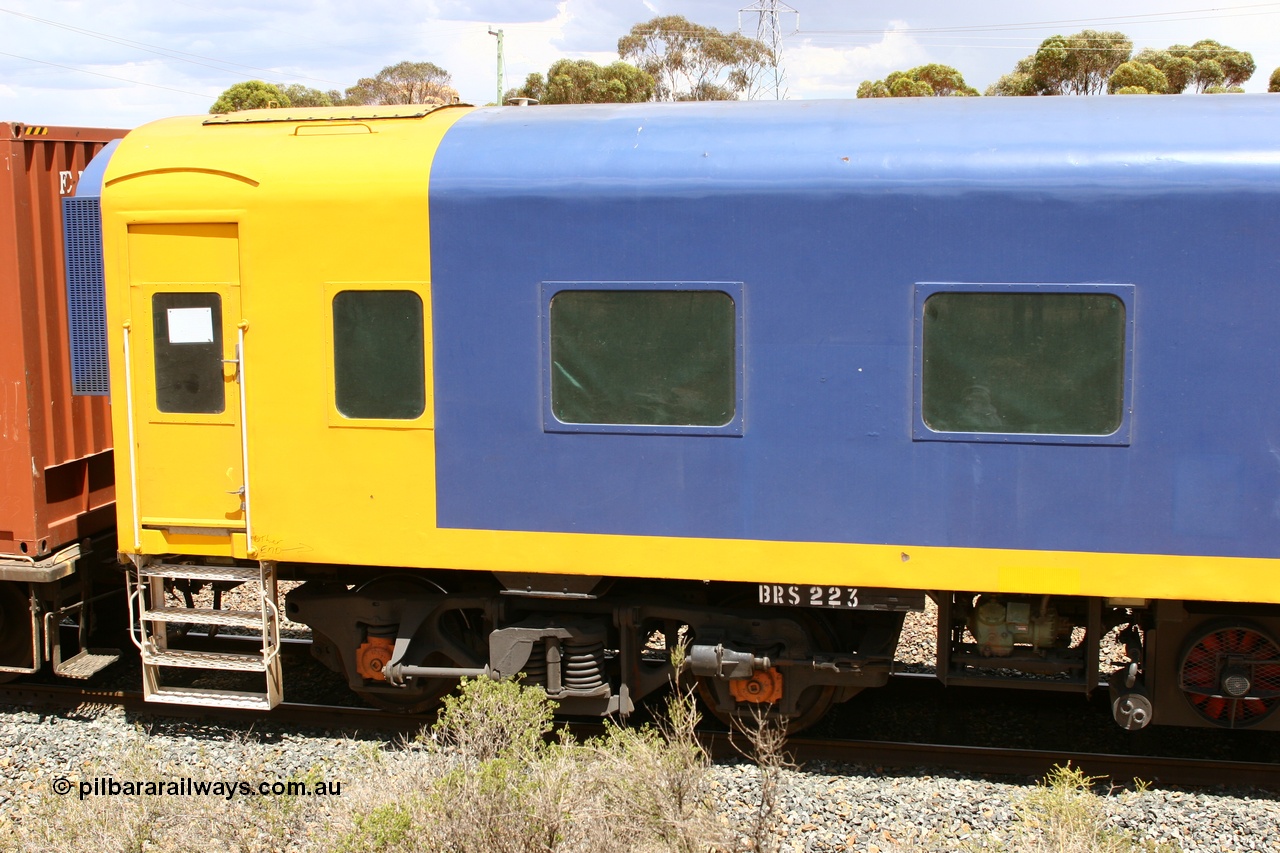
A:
[(843, 808), (821, 807)]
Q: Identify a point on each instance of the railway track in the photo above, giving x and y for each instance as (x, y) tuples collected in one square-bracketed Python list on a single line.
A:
[(1122, 769)]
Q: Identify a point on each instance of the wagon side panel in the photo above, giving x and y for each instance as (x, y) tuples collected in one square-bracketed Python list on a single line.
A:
[(56, 483)]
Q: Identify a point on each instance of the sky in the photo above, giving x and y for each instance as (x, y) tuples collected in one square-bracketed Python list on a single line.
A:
[(126, 62)]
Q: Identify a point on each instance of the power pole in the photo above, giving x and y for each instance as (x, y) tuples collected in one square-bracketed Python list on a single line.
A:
[(501, 69), (770, 31)]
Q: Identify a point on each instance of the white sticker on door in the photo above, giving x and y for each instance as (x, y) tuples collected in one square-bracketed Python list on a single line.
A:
[(190, 325)]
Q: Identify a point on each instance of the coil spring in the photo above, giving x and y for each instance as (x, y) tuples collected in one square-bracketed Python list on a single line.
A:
[(582, 666), (535, 670)]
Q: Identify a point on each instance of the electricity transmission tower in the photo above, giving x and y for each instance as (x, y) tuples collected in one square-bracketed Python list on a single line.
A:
[(769, 30)]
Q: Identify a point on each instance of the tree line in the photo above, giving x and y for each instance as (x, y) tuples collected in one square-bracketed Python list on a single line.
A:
[(402, 83), (1090, 62), (670, 58)]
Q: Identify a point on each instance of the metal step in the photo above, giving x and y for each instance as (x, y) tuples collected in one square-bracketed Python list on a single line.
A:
[(149, 591), (215, 698), (235, 574), (86, 663), (205, 660), (205, 616)]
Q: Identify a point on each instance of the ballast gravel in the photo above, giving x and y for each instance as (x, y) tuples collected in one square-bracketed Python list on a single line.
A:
[(819, 807)]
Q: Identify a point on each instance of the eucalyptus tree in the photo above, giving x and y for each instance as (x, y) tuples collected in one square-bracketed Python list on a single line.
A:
[(405, 83), (923, 81), (1079, 64), (249, 95), (1137, 78), (582, 81), (305, 96), (692, 62)]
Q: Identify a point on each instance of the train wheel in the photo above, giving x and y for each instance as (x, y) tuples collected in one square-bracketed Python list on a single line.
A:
[(1231, 675), (811, 707), (426, 693), (15, 628), (413, 703), (416, 702)]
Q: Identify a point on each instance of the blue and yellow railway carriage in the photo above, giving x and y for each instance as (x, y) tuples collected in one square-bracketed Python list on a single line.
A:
[(551, 390)]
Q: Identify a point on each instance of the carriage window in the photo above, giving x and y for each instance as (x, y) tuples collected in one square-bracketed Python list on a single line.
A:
[(1019, 362), (187, 329), (378, 354), (643, 357)]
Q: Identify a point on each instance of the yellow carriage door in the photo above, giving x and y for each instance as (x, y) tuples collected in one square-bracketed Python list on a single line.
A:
[(184, 339)]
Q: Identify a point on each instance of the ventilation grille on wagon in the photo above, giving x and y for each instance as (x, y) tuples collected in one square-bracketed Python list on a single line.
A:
[(86, 295)]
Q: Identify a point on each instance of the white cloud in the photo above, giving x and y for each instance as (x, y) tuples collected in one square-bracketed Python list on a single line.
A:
[(529, 47), (816, 71), (321, 43)]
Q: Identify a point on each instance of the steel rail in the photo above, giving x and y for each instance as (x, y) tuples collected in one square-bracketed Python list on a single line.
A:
[(1120, 769), (875, 754)]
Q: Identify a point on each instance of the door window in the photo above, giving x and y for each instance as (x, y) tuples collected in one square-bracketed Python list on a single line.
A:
[(188, 352)]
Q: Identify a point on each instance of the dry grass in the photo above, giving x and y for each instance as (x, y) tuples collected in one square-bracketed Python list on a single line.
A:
[(1064, 815), (765, 738), (485, 779), (164, 823)]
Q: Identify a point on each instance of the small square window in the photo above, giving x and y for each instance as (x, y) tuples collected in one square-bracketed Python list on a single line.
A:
[(378, 354), (187, 329)]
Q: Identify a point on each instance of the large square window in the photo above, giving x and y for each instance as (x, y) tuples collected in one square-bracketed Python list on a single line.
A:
[(1001, 360), (651, 358)]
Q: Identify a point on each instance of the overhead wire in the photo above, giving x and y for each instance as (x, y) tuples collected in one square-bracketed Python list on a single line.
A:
[(181, 56), (108, 76), (1163, 18), (167, 53), (1212, 13), (435, 30)]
